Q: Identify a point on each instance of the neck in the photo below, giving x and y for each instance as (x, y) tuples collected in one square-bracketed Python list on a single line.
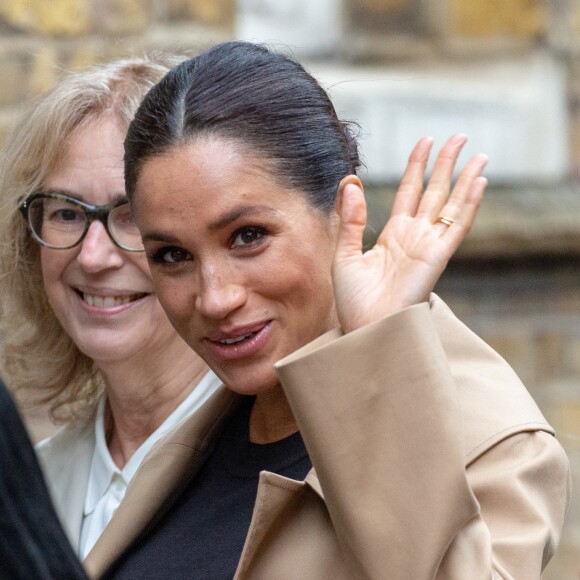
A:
[(271, 419), (142, 394)]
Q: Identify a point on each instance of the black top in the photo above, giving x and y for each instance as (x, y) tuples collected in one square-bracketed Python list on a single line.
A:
[(32, 542), (202, 535)]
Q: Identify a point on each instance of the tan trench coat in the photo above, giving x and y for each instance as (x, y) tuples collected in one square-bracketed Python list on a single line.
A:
[(431, 462)]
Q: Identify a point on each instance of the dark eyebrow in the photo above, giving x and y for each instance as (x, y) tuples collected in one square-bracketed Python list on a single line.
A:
[(160, 237), (240, 212), (221, 222)]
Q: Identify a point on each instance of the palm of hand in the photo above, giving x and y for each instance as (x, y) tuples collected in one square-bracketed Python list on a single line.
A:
[(413, 249)]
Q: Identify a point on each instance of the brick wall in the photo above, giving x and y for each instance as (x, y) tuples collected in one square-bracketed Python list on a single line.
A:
[(39, 39), (516, 280)]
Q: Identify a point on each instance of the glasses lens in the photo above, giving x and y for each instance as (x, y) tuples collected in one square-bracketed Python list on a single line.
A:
[(56, 222), (123, 228)]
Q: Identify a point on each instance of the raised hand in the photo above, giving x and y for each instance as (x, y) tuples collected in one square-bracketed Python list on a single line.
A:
[(416, 243)]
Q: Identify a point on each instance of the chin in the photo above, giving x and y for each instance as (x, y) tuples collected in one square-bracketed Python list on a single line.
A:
[(249, 384), (103, 350), (102, 355)]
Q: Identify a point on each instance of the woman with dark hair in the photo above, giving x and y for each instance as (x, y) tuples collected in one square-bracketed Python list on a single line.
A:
[(363, 431), (32, 542)]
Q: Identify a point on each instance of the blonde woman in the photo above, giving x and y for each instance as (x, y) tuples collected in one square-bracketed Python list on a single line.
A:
[(82, 327)]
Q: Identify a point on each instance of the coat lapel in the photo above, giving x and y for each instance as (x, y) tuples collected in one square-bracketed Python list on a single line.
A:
[(275, 492), (164, 473)]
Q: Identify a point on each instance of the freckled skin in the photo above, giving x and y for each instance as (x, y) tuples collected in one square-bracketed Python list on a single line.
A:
[(225, 279)]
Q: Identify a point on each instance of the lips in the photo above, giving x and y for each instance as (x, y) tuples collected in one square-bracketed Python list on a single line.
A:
[(109, 301), (237, 339), (240, 342)]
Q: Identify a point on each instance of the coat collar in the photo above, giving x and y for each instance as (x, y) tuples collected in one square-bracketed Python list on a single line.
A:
[(164, 473)]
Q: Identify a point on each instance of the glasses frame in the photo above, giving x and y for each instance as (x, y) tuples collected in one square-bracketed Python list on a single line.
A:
[(92, 213)]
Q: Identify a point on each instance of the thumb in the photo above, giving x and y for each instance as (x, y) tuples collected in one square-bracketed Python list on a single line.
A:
[(352, 212)]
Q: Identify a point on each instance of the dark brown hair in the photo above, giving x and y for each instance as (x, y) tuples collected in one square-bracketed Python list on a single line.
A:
[(265, 100)]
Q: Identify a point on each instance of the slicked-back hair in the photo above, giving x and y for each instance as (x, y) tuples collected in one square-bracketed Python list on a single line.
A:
[(37, 355), (262, 99)]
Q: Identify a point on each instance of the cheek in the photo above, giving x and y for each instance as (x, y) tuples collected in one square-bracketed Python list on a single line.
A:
[(304, 279), (52, 266)]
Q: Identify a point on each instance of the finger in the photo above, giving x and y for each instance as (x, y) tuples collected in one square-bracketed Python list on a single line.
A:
[(472, 170), (353, 220), (411, 186), (454, 208), (457, 231), (438, 188)]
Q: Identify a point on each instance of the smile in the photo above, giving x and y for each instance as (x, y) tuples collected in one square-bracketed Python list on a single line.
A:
[(241, 343), (109, 301), (238, 339)]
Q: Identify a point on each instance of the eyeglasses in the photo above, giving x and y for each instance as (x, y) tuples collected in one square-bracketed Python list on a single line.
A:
[(61, 222)]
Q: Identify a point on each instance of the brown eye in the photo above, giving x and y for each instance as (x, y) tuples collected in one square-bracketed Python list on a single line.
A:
[(247, 236), (169, 256)]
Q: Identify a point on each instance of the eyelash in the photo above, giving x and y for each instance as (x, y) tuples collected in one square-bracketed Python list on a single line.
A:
[(261, 233), (158, 256)]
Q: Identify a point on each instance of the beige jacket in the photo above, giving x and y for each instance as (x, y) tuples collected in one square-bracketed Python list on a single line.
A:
[(431, 462)]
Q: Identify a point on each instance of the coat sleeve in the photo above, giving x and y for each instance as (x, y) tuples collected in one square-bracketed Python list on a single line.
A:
[(379, 411)]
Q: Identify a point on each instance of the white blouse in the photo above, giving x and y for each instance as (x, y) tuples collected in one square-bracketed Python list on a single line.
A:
[(107, 483)]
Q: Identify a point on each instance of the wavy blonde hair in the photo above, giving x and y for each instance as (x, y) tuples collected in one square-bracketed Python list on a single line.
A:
[(39, 360)]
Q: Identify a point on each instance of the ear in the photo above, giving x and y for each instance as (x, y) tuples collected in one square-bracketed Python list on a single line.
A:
[(355, 180)]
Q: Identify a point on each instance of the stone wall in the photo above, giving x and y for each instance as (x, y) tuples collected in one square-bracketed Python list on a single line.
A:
[(508, 73)]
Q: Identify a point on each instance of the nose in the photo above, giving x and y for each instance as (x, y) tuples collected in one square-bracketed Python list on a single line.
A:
[(98, 252), (220, 293)]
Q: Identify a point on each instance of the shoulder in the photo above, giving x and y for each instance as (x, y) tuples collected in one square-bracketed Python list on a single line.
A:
[(65, 459), (66, 445)]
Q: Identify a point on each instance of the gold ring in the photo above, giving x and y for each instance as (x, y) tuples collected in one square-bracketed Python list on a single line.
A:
[(443, 219)]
